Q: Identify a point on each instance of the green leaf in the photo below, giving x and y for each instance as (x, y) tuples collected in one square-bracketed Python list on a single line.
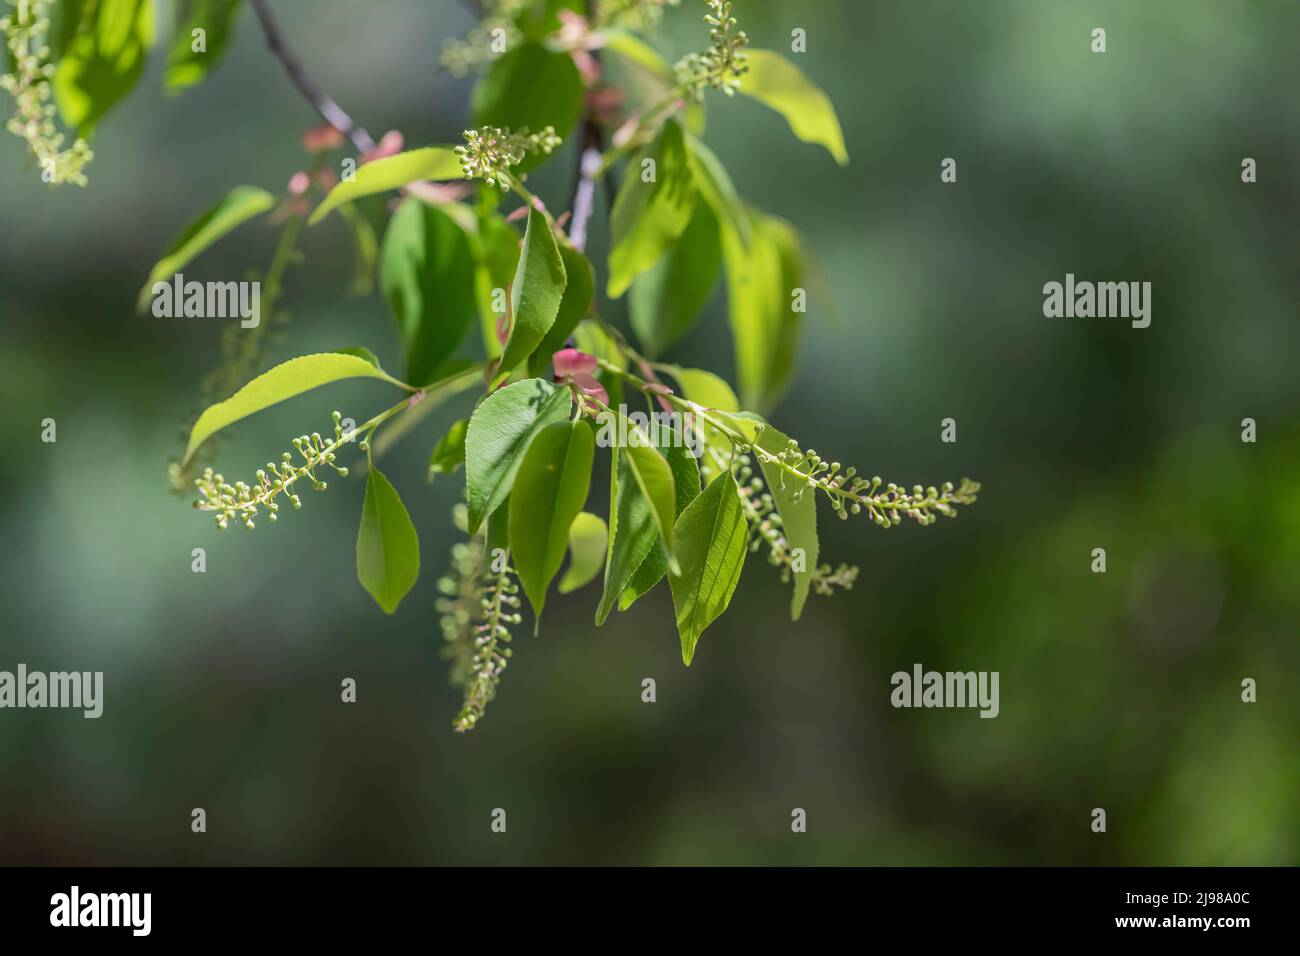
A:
[(686, 481), (765, 328), (498, 435), (776, 82), (796, 503), (716, 188), (667, 298), (648, 217), (497, 250), (635, 50), (426, 272), (187, 67), (632, 533), (449, 453), (549, 491), (579, 290), (391, 172), (103, 61), (712, 541), (366, 247), (588, 537), (536, 292), (705, 388), (388, 550), (273, 386), (654, 479), (529, 87), (239, 205)]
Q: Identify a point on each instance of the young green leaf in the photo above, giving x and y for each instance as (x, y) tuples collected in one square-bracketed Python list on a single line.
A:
[(588, 537), (426, 272), (537, 291), (632, 533), (187, 66), (686, 481), (549, 491), (649, 216), (668, 297), (391, 172), (449, 453), (716, 188), (705, 388), (237, 207), (796, 503), (711, 538), (579, 289), (529, 87), (388, 550), (103, 60), (776, 82), (498, 435), (654, 479), (284, 381)]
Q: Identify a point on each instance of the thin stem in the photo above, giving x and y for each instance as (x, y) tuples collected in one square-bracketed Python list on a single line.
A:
[(331, 111)]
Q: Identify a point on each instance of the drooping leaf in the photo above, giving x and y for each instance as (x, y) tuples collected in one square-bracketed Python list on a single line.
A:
[(391, 172), (187, 66), (103, 60), (776, 82), (536, 292), (237, 207), (574, 307), (449, 453), (284, 381), (588, 537), (529, 87), (365, 246), (711, 538), (716, 188), (666, 299), (797, 505), (686, 482), (648, 217), (761, 280), (498, 435), (549, 491), (388, 550), (427, 274)]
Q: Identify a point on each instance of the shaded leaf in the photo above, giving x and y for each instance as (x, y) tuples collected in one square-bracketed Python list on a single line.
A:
[(366, 248), (388, 550), (426, 272), (529, 87), (449, 453)]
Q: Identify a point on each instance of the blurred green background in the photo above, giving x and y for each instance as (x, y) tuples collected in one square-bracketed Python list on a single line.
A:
[(1119, 690)]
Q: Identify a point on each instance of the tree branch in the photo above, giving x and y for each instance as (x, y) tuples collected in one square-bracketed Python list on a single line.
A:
[(331, 111)]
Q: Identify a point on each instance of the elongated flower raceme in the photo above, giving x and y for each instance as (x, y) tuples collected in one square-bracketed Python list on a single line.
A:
[(243, 502), (24, 31)]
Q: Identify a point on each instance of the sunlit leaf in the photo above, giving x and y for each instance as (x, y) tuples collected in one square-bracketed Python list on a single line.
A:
[(711, 539), (103, 60), (187, 66), (796, 503), (449, 454), (588, 537), (536, 293), (391, 172), (776, 82), (667, 298)]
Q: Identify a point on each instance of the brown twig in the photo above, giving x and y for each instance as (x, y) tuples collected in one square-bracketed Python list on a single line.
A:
[(327, 108)]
